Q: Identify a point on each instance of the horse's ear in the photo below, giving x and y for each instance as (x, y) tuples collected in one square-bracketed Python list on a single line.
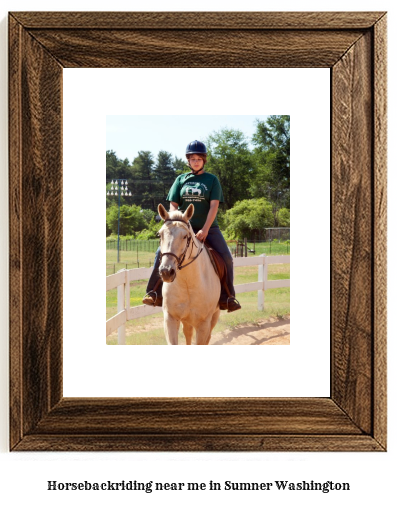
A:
[(188, 213), (162, 212)]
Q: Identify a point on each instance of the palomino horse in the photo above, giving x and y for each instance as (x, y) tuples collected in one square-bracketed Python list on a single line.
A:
[(192, 288)]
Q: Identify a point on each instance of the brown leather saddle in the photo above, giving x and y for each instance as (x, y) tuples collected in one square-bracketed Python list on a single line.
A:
[(219, 266)]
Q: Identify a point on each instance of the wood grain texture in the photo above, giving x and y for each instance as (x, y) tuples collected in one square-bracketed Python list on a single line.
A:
[(202, 20), (36, 230), (353, 45), (351, 232), (15, 232), (380, 229), (199, 443), (166, 416), (196, 48)]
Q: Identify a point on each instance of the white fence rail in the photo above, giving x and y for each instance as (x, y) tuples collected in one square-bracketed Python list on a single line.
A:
[(121, 280)]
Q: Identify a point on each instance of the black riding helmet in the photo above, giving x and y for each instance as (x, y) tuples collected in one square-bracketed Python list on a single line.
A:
[(196, 147)]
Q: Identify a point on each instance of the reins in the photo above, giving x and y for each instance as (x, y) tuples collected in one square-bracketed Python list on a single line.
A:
[(183, 255)]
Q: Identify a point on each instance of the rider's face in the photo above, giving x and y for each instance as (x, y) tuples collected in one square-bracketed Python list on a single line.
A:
[(196, 162)]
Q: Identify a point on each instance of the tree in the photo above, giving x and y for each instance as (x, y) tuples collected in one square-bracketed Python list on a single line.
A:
[(117, 169), (272, 158), (283, 217), (180, 166), (151, 231), (164, 174), (229, 158), (148, 215), (248, 218), (111, 165), (131, 219), (142, 180)]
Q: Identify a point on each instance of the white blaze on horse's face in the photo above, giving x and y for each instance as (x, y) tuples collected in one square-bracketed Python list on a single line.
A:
[(174, 237)]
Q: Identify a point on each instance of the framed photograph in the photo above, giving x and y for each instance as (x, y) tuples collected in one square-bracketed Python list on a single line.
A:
[(353, 47)]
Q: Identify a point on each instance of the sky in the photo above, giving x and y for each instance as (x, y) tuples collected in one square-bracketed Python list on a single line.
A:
[(126, 135)]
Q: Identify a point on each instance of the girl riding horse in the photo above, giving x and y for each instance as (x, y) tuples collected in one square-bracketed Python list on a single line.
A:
[(205, 192)]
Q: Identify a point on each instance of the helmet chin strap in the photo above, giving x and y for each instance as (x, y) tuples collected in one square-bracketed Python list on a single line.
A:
[(195, 172)]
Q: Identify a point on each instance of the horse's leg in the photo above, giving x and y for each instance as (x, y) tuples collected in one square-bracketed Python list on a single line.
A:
[(188, 332), (171, 327), (214, 321), (203, 332)]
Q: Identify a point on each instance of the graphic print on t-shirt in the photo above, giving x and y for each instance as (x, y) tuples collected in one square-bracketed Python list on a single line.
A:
[(198, 190), (193, 192)]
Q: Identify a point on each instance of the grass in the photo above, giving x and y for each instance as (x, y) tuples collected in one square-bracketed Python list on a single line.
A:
[(128, 260), (131, 259), (149, 330)]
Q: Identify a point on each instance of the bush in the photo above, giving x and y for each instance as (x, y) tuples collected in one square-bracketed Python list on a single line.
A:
[(131, 219), (283, 217), (148, 214), (248, 218), (151, 232)]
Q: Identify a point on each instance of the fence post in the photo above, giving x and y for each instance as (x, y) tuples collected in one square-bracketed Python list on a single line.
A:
[(127, 297), (120, 307), (262, 277)]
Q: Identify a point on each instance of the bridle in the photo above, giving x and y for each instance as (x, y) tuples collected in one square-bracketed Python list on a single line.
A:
[(181, 258)]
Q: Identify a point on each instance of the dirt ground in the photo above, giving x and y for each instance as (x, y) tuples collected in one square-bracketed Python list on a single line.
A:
[(266, 332), (271, 331)]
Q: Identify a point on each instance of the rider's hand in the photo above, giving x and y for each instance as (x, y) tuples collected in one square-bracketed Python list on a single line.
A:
[(201, 235)]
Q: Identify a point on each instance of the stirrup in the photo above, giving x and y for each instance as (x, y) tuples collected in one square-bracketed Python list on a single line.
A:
[(150, 293), (233, 305)]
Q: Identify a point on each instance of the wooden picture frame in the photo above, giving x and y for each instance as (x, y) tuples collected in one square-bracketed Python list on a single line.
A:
[(353, 46)]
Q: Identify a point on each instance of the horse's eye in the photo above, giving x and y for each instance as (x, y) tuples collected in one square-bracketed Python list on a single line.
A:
[(184, 237)]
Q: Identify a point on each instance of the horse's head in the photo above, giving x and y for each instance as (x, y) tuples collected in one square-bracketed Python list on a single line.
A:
[(175, 236)]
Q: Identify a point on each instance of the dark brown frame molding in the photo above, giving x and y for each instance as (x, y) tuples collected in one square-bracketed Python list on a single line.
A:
[(353, 46)]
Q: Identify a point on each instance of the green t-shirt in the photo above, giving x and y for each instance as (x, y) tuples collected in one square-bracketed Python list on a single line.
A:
[(199, 190)]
